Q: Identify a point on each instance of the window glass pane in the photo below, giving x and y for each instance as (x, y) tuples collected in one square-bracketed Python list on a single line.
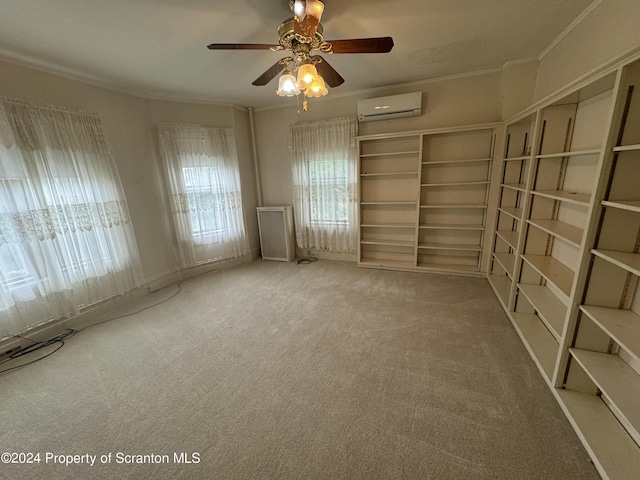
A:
[(205, 199), (328, 183)]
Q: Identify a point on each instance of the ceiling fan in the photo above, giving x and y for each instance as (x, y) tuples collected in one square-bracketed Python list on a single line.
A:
[(301, 35)]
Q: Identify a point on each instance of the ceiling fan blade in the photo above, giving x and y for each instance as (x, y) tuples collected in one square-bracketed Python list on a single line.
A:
[(326, 71), (240, 46), (307, 15), (362, 45), (269, 75)]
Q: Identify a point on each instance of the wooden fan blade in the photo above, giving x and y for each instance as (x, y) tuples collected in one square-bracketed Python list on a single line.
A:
[(269, 75), (240, 46), (362, 45), (326, 71), (307, 15)]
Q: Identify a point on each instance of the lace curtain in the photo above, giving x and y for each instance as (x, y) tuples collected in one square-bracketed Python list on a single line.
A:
[(324, 167), (206, 199), (66, 240)]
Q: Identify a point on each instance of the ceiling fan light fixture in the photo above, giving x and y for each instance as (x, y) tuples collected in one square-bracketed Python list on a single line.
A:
[(307, 74), (287, 85)]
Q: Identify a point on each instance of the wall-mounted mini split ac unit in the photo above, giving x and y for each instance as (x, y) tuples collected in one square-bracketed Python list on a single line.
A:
[(394, 106)]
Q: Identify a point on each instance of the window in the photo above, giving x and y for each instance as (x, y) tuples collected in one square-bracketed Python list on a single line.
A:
[(204, 182), (324, 169), (65, 236)]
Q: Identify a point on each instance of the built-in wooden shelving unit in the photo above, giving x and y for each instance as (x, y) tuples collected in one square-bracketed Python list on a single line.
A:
[(566, 258), (424, 199)]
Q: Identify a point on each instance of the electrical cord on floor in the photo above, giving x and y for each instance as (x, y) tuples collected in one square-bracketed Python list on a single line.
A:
[(35, 346), (307, 260)]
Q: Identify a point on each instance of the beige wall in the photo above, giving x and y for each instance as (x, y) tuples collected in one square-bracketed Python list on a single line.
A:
[(447, 102), (129, 121), (518, 84), (242, 128), (609, 31)]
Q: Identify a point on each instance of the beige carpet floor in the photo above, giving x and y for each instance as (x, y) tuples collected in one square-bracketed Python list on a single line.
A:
[(285, 371)]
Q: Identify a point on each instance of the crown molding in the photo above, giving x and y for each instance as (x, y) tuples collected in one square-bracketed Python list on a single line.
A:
[(96, 81)]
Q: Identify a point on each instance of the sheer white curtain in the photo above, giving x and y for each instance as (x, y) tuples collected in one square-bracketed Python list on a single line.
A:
[(324, 166), (65, 236), (206, 199)]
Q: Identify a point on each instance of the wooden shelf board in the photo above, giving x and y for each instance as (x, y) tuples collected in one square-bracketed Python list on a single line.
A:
[(409, 202), (512, 159), (386, 263), (551, 310), (630, 205), (626, 148), (510, 237), (502, 286), (552, 270), (507, 261), (389, 225), (541, 345), (559, 229), (390, 154), (618, 382), (628, 261), (613, 451), (569, 197), (388, 174), (453, 184), (593, 151), (454, 205), (447, 267), (471, 160), (450, 246), (399, 243), (515, 186), (621, 325), (451, 226), (513, 212)]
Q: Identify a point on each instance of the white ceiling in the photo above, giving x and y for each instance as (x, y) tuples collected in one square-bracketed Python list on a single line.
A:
[(158, 48)]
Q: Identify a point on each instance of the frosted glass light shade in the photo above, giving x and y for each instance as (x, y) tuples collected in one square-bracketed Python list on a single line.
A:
[(308, 14), (314, 8), (307, 74), (287, 86), (317, 88)]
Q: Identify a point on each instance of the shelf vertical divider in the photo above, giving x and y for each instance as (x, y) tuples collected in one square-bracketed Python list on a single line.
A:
[(603, 171), (418, 193), (535, 141)]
